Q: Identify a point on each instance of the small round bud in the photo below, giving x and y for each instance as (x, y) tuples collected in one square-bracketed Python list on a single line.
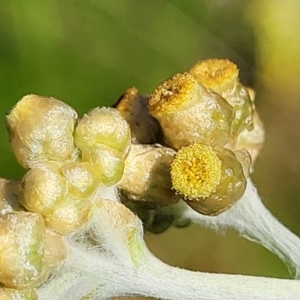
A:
[(81, 178), (69, 216), (22, 249), (107, 162), (103, 126), (147, 175), (210, 180), (144, 128), (41, 129), (44, 188), (12, 294), (189, 113), (222, 76)]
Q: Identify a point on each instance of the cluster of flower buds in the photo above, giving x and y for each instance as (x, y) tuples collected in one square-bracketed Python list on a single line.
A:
[(29, 251), (195, 138), (67, 161), (208, 138)]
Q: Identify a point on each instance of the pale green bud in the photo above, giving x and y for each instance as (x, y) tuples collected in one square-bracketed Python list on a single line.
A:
[(107, 162), (44, 188), (103, 126), (22, 250), (81, 178), (69, 216), (40, 129)]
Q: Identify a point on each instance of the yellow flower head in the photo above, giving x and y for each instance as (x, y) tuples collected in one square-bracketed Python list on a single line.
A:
[(222, 76), (172, 94), (196, 171), (216, 74)]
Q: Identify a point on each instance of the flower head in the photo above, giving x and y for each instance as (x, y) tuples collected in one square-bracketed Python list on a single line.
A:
[(222, 76), (196, 171), (190, 113), (217, 74), (209, 179)]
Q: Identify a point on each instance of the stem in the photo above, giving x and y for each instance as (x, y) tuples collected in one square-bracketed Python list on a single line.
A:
[(106, 277), (253, 221), (197, 285)]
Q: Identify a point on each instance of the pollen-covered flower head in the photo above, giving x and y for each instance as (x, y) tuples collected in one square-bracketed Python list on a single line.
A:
[(190, 113), (209, 179), (222, 77), (196, 171)]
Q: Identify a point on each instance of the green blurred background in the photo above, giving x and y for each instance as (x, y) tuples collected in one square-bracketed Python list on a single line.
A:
[(87, 52)]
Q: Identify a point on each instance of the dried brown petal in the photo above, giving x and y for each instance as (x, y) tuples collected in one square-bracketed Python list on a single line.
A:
[(144, 128)]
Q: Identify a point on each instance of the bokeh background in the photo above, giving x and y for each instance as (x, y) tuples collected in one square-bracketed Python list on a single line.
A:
[(87, 52)]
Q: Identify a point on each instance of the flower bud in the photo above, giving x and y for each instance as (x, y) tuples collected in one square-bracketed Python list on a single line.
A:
[(107, 162), (210, 180), (69, 216), (221, 76), (115, 225), (189, 113), (81, 178), (12, 294), (44, 188), (103, 126), (120, 218), (144, 128), (40, 129), (147, 175), (22, 249)]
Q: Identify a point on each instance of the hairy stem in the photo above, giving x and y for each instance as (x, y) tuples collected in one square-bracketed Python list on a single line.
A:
[(254, 222), (100, 277)]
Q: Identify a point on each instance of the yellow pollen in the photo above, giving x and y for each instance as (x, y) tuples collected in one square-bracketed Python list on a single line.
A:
[(213, 73), (196, 171), (171, 94)]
